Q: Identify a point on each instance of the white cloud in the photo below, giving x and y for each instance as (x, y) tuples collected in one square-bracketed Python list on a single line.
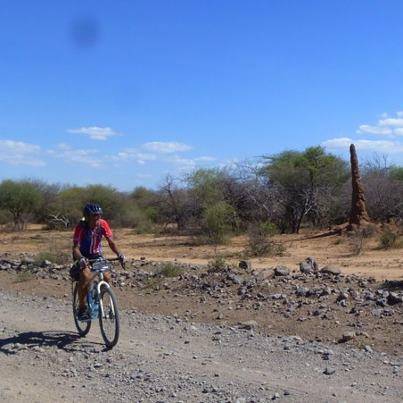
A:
[(337, 143), (391, 122), (132, 154), (374, 129), (386, 126), (95, 132), (385, 146), (161, 152), (398, 131), (205, 159), (161, 147), (182, 163), (72, 155), (20, 153)]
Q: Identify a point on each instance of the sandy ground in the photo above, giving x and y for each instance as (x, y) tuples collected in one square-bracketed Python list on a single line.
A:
[(159, 358), (331, 250)]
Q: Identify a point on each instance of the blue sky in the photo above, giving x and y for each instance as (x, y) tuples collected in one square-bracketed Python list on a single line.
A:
[(124, 92)]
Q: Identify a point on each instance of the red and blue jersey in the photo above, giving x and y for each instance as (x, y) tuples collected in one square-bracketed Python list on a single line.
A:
[(89, 240)]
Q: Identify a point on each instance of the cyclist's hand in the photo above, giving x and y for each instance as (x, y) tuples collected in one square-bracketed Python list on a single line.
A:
[(83, 262), (122, 260)]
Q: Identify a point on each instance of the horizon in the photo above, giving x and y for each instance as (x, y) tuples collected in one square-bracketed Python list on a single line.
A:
[(125, 94)]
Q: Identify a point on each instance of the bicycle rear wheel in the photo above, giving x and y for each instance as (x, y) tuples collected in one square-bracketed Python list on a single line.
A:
[(109, 317), (82, 327)]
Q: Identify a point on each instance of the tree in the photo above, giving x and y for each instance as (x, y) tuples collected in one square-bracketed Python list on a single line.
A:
[(174, 204), (383, 190), (205, 186), (20, 199), (304, 180), (396, 173)]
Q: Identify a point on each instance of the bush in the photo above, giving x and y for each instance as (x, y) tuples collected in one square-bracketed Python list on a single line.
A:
[(137, 218), (55, 255), (5, 217), (217, 264), (259, 242), (388, 240), (169, 270), (24, 275), (358, 237), (20, 199), (219, 220)]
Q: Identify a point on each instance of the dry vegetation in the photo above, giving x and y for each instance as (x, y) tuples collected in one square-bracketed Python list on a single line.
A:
[(372, 260)]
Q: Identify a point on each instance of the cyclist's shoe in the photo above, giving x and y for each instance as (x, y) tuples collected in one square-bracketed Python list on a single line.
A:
[(83, 314)]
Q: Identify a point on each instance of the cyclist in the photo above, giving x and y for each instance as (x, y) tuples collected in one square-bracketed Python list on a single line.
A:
[(87, 245)]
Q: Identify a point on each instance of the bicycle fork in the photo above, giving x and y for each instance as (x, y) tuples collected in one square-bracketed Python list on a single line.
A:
[(101, 305)]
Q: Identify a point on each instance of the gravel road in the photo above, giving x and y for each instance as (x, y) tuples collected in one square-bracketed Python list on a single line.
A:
[(167, 359)]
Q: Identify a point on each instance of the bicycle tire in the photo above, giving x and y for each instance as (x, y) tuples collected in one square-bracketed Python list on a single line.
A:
[(82, 327), (113, 316)]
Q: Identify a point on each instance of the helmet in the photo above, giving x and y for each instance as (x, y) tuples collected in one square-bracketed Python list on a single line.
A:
[(92, 208)]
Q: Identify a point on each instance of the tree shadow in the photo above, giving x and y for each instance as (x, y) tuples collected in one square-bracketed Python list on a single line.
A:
[(392, 285), (28, 340)]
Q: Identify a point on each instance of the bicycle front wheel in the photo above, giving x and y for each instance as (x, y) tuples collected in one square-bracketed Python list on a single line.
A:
[(109, 317), (82, 327)]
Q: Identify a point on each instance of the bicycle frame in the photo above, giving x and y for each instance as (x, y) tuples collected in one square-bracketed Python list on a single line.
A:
[(102, 283)]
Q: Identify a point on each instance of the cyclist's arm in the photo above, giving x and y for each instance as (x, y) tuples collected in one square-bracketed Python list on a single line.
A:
[(113, 246), (76, 243), (76, 252), (107, 232)]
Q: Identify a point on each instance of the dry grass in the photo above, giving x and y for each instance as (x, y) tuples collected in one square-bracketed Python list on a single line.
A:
[(329, 250)]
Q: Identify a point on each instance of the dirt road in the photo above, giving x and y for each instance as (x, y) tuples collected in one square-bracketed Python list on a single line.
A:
[(161, 358)]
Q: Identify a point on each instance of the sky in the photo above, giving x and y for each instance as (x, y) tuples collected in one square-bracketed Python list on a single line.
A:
[(125, 92)]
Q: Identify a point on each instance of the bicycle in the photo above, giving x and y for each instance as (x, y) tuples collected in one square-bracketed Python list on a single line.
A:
[(101, 303)]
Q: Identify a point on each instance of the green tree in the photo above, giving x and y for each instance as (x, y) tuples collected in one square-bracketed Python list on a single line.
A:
[(205, 185), (219, 219), (213, 212), (396, 173), (305, 179), (20, 199), (69, 203)]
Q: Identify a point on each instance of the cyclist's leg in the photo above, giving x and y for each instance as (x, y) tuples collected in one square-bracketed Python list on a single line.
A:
[(83, 286), (107, 277)]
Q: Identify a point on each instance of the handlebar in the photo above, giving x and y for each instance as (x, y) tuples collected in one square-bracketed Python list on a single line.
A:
[(113, 259), (103, 259)]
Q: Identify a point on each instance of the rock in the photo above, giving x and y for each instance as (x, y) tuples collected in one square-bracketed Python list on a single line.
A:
[(302, 291), (342, 296), (278, 296), (325, 291), (393, 298), (234, 278), (305, 268), (347, 336), (329, 371), (368, 295), (245, 265), (281, 271), (368, 349), (248, 325), (308, 266), (5, 266), (28, 260), (331, 270)]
